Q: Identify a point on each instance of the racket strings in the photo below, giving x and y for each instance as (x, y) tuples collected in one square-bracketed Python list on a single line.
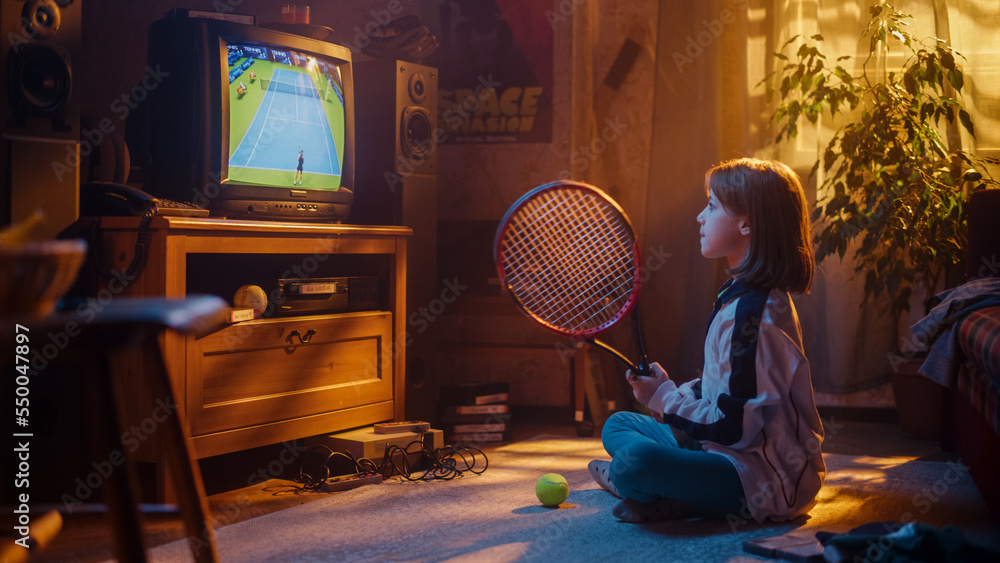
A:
[(599, 273), (578, 270), (566, 266), (570, 260)]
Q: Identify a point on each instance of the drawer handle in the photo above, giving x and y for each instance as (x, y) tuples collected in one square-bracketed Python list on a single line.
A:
[(302, 339)]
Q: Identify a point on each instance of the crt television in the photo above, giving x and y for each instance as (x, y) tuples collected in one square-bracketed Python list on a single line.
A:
[(250, 122)]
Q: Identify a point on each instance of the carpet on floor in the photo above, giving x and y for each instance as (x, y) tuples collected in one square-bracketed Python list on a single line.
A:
[(495, 516)]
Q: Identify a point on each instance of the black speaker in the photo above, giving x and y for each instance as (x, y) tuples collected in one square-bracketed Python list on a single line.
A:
[(40, 131), (396, 184), (395, 120)]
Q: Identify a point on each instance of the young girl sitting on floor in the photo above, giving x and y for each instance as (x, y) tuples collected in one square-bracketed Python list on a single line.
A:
[(743, 441)]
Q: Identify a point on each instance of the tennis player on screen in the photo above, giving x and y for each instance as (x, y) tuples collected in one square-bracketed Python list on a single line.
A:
[(297, 179)]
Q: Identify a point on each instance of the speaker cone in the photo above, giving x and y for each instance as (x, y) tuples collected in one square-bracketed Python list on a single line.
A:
[(40, 80), (41, 18), (417, 132), (417, 88)]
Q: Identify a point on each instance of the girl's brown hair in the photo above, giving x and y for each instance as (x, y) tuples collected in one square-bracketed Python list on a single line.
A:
[(770, 195)]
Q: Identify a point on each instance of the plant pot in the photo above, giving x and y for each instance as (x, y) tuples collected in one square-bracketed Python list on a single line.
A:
[(918, 400)]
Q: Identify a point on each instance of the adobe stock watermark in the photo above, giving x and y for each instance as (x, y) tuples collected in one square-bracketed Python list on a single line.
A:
[(466, 104), (406, 167), (467, 101), (475, 435), (121, 107), (225, 6), (59, 340), (881, 547), (231, 512), (307, 266), (420, 320), (380, 17), (989, 267), (582, 156), (131, 439), (563, 12), (797, 459), (708, 32), (919, 342), (276, 123), (655, 259)]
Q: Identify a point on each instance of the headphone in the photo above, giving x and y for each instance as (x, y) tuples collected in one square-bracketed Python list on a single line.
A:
[(405, 38)]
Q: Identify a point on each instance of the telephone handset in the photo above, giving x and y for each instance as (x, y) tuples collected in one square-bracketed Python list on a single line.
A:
[(113, 199)]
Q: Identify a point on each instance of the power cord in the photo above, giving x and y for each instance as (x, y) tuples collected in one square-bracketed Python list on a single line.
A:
[(445, 463)]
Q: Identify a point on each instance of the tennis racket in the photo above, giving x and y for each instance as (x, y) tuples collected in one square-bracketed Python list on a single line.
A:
[(567, 255)]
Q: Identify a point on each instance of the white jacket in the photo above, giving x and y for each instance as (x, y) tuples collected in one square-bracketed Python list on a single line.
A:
[(754, 402)]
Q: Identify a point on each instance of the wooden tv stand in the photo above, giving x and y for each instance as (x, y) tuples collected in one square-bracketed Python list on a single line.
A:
[(268, 380)]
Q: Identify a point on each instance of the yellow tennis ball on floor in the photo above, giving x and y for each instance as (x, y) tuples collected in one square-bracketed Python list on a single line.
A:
[(551, 489)]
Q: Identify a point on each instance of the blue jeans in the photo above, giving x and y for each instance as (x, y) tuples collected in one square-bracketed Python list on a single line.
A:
[(647, 464)]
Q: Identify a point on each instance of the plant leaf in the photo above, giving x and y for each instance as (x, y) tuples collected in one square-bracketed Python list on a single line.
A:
[(972, 175), (789, 42), (947, 60), (955, 78), (963, 116), (910, 84)]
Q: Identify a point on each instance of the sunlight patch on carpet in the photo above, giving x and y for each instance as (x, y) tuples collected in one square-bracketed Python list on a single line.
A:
[(496, 517)]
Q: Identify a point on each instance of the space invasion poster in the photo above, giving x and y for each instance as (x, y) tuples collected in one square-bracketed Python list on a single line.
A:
[(496, 69)]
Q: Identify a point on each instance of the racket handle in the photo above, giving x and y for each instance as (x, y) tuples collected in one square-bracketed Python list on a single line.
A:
[(640, 344), (618, 355)]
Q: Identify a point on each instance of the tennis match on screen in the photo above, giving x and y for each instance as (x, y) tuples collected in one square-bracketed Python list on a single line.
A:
[(286, 118)]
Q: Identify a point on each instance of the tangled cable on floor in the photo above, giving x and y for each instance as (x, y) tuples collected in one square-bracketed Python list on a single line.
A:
[(443, 463)]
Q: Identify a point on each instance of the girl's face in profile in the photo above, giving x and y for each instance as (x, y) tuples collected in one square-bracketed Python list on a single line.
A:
[(723, 234)]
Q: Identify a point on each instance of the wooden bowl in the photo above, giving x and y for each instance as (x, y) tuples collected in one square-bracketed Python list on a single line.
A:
[(33, 276)]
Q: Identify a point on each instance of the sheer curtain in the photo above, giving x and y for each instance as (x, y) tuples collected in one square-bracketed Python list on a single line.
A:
[(709, 58)]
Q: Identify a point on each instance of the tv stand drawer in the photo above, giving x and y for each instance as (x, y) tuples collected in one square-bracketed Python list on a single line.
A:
[(267, 371)]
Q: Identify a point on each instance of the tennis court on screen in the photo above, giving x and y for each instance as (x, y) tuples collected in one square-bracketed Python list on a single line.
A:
[(290, 117)]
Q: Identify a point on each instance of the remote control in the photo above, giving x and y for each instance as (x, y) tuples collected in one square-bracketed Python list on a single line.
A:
[(354, 480), (403, 426)]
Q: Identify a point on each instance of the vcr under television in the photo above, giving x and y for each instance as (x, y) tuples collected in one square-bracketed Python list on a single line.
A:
[(327, 295)]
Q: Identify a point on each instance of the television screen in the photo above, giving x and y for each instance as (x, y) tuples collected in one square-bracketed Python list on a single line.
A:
[(249, 122), (286, 117)]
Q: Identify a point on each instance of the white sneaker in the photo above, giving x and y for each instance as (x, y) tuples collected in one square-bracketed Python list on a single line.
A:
[(600, 470)]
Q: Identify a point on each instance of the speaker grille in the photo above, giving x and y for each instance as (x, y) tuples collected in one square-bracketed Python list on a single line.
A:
[(41, 80)]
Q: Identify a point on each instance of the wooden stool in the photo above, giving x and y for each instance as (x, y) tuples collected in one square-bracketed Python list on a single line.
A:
[(127, 323)]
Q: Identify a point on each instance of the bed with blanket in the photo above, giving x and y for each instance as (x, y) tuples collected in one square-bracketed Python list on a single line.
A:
[(965, 356)]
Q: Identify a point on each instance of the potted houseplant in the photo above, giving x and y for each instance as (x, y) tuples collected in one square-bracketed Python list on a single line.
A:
[(894, 183)]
